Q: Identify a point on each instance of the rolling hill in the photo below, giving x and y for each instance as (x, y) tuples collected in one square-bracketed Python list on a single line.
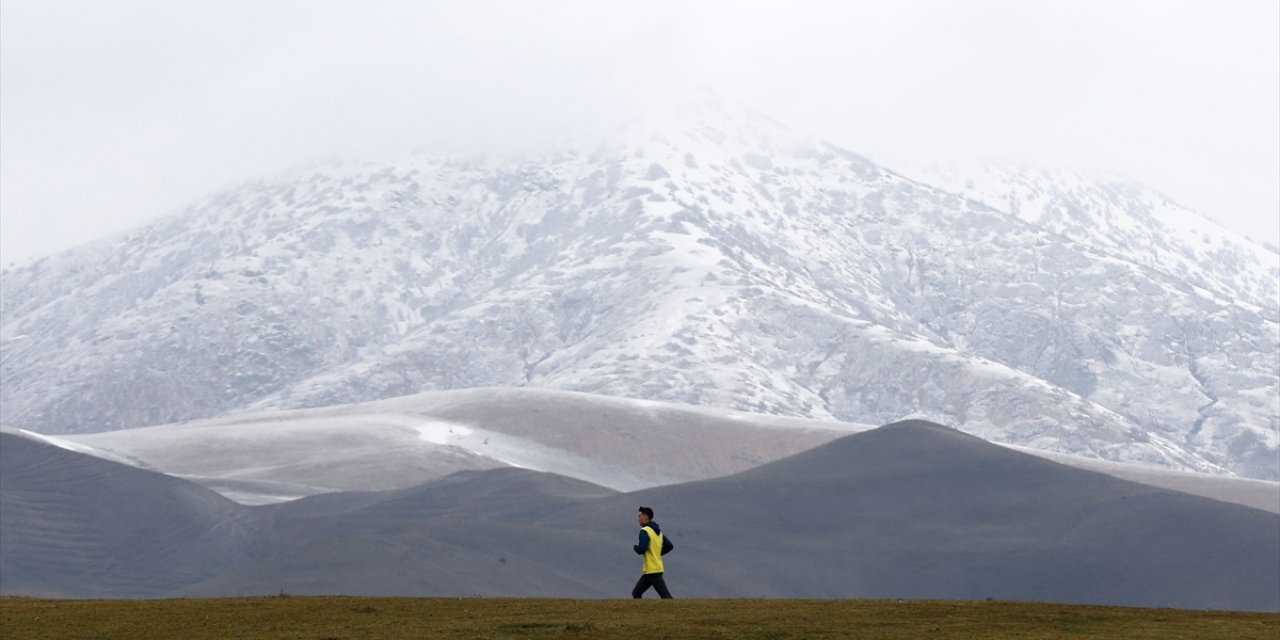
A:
[(907, 510)]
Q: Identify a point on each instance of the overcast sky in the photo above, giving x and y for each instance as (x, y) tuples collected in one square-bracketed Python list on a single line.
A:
[(116, 113)]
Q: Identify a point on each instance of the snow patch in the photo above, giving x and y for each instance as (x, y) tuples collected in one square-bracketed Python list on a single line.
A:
[(439, 432)]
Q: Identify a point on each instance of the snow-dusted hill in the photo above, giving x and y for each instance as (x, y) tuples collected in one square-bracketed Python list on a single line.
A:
[(401, 442), (617, 443), (722, 262)]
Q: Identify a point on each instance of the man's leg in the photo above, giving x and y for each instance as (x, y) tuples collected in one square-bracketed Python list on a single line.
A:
[(642, 585), (660, 585)]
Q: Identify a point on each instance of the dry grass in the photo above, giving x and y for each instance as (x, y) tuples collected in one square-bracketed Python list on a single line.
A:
[(505, 618)]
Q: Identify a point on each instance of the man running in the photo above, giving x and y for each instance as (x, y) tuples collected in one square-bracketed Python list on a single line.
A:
[(653, 545)]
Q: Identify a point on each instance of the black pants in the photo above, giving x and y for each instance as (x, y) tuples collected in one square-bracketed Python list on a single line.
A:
[(651, 580)]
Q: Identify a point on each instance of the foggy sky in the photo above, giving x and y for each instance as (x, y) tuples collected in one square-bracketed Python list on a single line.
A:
[(113, 114)]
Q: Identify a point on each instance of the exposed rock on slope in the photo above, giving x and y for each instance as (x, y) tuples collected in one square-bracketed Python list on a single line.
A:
[(725, 263)]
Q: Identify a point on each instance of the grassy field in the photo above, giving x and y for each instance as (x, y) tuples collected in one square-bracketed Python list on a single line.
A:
[(317, 618)]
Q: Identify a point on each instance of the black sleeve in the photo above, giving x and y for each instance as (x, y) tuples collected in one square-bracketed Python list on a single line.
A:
[(666, 545), (644, 543)]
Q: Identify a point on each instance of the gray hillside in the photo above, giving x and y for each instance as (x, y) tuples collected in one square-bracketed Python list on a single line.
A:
[(916, 510), (73, 525), (909, 510), (468, 534)]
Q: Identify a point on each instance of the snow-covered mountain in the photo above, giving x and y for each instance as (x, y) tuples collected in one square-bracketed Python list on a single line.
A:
[(721, 262), (1117, 215)]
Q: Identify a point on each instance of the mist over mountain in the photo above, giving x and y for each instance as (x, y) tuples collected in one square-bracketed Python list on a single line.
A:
[(719, 261)]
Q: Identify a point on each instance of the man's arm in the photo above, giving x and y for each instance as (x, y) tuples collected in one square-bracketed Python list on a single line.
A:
[(644, 543), (666, 545)]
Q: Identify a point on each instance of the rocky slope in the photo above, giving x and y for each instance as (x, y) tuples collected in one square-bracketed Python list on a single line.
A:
[(723, 262)]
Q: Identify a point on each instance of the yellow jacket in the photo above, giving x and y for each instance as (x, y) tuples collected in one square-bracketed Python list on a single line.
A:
[(652, 546)]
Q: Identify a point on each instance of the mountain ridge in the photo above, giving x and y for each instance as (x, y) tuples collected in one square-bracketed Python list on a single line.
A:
[(722, 263)]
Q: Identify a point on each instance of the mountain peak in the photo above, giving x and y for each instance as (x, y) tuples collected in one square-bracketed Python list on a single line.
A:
[(724, 262)]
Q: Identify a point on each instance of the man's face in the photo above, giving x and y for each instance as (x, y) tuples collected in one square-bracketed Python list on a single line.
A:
[(642, 519)]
